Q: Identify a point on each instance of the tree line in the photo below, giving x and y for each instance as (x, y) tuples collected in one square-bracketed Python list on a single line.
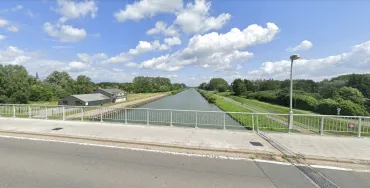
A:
[(351, 93), (145, 84), (17, 86)]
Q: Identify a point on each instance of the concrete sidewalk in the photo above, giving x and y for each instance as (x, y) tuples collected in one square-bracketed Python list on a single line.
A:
[(201, 139), (331, 148), (314, 147)]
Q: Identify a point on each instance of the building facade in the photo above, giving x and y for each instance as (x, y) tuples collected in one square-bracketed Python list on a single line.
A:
[(115, 95), (95, 99)]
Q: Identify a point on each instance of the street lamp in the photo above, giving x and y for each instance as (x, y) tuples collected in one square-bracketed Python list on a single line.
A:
[(292, 58)]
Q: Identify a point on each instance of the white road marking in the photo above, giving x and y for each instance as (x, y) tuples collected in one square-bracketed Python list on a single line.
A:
[(179, 153)]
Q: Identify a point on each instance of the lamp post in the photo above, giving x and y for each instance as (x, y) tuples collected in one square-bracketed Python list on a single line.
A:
[(292, 58)]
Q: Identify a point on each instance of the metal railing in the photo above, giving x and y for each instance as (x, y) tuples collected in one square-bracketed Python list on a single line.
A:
[(304, 123)]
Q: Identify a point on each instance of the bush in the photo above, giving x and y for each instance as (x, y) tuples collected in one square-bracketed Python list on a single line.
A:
[(327, 106), (212, 99), (305, 102), (222, 88), (350, 108)]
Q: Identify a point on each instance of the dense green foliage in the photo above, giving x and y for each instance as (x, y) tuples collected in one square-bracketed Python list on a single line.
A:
[(143, 84), (17, 86), (349, 92), (215, 84), (238, 86)]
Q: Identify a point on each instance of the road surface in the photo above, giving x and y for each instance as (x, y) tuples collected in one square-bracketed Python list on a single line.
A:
[(30, 163)]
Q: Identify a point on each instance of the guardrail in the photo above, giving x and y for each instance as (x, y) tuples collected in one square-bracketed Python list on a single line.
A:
[(304, 123)]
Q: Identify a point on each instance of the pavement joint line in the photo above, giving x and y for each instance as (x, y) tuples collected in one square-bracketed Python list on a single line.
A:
[(316, 178)]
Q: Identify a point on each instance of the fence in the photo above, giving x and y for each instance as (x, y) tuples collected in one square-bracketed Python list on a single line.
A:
[(304, 123)]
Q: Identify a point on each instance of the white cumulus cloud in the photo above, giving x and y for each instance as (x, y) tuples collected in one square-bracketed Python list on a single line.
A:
[(304, 45), (195, 18), (172, 41), (13, 56), (147, 8), (214, 50), (161, 27), (76, 9), (2, 37), (65, 33), (355, 61), (76, 66)]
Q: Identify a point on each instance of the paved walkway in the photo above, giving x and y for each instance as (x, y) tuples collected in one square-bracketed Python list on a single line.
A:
[(329, 147), (175, 136), (319, 147)]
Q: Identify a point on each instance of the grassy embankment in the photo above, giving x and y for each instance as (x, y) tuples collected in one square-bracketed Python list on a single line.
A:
[(312, 123), (260, 122)]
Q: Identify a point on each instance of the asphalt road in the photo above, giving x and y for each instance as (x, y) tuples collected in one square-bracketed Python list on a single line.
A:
[(27, 163)]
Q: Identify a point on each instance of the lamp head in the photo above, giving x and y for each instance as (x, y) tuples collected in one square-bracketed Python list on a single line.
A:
[(294, 57)]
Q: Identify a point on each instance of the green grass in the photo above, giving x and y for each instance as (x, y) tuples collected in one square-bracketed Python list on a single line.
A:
[(261, 122), (137, 96), (44, 102), (307, 122), (267, 107)]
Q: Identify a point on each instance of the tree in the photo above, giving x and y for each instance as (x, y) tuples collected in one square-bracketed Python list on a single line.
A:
[(41, 92), (214, 83), (84, 85), (14, 84), (238, 87), (250, 85), (62, 79), (360, 82), (222, 88), (203, 86), (352, 94)]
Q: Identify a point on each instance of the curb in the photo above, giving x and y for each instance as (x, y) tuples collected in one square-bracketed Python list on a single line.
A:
[(327, 159), (172, 146)]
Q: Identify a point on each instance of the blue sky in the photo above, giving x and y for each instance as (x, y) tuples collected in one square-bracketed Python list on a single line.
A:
[(187, 41)]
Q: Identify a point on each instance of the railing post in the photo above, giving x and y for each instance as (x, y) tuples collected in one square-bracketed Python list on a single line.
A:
[(359, 128), (125, 115), (147, 116), (82, 114), (46, 112), (322, 126), (101, 115), (225, 121), (290, 121), (196, 119), (171, 119), (252, 122), (257, 123), (29, 112), (13, 111), (63, 113)]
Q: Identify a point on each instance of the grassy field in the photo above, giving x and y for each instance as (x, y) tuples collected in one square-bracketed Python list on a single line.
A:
[(258, 122), (137, 96), (307, 122), (44, 102), (266, 107)]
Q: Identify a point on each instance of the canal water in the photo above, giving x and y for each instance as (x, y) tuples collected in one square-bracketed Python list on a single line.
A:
[(187, 108), (187, 100)]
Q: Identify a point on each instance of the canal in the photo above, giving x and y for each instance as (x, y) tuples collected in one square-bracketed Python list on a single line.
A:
[(187, 100), (186, 109)]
